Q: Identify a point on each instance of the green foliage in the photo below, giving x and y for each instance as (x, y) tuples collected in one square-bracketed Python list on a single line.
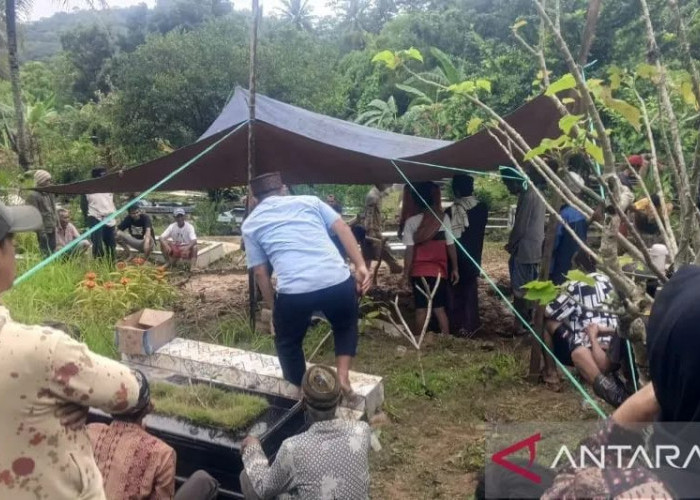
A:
[(566, 82), (55, 294), (88, 49), (203, 404), (542, 292), (580, 276)]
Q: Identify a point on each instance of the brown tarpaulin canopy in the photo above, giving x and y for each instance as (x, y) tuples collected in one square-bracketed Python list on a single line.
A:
[(310, 148)]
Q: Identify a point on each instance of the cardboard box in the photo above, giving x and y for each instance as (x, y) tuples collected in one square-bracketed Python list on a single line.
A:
[(145, 331)]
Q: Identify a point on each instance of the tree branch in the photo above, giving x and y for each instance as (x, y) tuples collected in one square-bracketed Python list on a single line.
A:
[(582, 87)]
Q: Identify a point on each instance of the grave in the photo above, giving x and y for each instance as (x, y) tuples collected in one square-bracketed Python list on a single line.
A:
[(208, 252), (184, 361)]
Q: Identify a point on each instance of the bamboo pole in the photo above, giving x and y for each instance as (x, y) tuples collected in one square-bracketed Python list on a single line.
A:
[(252, 289)]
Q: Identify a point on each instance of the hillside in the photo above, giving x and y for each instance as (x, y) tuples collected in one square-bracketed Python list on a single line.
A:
[(42, 39)]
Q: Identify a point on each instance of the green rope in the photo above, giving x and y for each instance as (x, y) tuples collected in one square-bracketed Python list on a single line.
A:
[(519, 176), (448, 230), (463, 170), (632, 369), (38, 267)]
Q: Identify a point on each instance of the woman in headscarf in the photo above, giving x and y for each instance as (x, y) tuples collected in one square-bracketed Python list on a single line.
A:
[(469, 217), (671, 401)]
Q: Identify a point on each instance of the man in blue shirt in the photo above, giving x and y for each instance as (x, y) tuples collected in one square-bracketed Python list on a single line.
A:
[(292, 234), (564, 244)]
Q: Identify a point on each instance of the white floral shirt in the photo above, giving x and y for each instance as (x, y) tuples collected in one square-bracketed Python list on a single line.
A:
[(329, 461)]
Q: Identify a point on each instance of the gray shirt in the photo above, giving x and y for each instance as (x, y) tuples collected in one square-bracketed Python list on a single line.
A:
[(329, 461), (527, 236)]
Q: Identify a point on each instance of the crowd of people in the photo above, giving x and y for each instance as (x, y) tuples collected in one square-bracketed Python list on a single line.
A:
[(53, 379), (134, 232)]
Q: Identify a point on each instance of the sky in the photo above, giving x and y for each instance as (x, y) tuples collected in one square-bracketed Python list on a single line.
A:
[(47, 8)]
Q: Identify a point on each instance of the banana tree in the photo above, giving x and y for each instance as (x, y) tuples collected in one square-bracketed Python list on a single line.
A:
[(381, 114)]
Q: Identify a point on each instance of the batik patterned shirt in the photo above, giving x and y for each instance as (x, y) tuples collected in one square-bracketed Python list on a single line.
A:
[(610, 481), (373, 217), (328, 462), (582, 304)]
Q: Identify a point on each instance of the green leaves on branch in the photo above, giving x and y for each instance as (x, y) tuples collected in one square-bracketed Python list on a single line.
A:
[(470, 86), (473, 125), (579, 276), (548, 145), (393, 60), (566, 123), (566, 82), (387, 58), (595, 151), (630, 113), (543, 292)]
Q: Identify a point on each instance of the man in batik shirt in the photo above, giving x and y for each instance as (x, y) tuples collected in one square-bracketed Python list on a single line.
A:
[(330, 460)]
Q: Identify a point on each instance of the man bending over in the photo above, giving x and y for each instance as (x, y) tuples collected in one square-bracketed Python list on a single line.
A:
[(330, 460), (582, 333), (292, 234)]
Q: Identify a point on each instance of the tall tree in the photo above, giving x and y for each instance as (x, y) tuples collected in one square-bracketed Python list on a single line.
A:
[(12, 8), (21, 143), (298, 13), (88, 49)]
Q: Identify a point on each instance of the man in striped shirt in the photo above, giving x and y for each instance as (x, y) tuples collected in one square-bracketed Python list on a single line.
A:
[(582, 332)]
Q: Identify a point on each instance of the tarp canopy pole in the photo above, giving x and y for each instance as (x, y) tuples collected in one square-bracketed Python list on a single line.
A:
[(252, 291)]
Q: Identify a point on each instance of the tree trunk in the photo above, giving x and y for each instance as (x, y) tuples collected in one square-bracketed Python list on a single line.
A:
[(589, 30), (13, 56)]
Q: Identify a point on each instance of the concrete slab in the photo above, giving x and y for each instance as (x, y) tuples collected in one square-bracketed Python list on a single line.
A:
[(248, 370)]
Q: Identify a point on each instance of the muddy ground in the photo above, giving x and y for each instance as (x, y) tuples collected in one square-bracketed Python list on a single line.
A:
[(433, 437)]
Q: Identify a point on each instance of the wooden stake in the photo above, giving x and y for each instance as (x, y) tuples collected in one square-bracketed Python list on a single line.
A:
[(545, 264)]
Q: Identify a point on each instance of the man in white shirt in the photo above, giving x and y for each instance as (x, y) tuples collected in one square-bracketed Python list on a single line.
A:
[(99, 207), (179, 241)]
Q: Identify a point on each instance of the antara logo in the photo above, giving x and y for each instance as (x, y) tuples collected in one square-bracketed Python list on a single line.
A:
[(531, 444)]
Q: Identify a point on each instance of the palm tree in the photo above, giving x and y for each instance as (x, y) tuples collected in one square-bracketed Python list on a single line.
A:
[(298, 13), (381, 114), (12, 8)]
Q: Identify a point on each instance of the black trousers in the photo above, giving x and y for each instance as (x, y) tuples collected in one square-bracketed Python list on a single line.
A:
[(103, 240), (47, 242), (292, 315)]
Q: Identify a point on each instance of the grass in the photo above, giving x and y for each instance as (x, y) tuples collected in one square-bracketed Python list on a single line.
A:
[(54, 294), (206, 405)]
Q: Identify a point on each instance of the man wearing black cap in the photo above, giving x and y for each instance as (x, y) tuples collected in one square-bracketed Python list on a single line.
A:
[(293, 233), (330, 460), (47, 382)]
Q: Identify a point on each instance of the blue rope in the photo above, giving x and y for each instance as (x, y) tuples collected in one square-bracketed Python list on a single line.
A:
[(448, 230), (38, 267)]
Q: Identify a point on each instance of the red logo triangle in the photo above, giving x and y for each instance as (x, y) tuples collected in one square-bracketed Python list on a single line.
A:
[(499, 457)]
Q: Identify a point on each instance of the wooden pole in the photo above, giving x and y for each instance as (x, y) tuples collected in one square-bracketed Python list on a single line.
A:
[(252, 289), (536, 350)]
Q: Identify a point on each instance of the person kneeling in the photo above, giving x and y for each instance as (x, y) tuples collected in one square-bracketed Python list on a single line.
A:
[(179, 241), (330, 460), (136, 231), (582, 333), (124, 446)]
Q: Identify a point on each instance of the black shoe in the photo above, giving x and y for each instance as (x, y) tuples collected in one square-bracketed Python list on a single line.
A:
[(610, 390)]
